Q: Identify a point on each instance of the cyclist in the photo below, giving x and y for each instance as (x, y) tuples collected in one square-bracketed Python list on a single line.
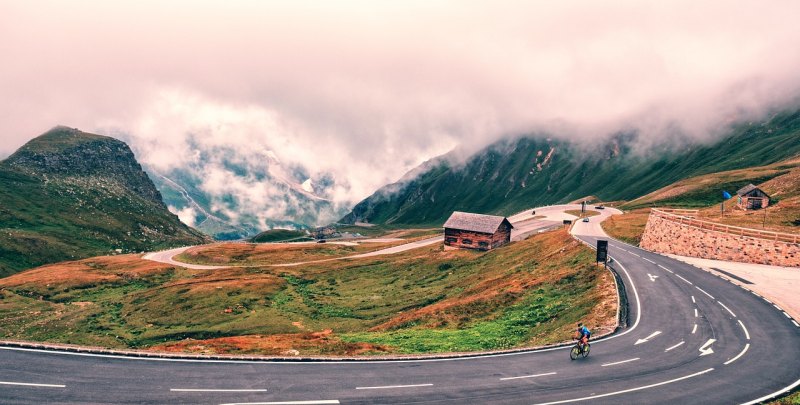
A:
[(583, 335)]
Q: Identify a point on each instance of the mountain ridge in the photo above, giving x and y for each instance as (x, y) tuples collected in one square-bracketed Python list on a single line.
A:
[(68, 195), (513, 175)]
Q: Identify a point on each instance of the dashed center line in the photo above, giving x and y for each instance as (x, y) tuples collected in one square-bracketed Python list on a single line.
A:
[(320, 402), (672, 347), (22, 384), (679, 276), (694, 329), (386, 387), (526, 376), (695, 313), (644, 258), (216, 390), (666, 269), (619, 362), (746, 333), (727, 309), (747, 346), (704, 292), (693, 301)]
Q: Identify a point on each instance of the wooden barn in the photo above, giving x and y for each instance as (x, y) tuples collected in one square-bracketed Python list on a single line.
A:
[(752, 198), (476, 231)]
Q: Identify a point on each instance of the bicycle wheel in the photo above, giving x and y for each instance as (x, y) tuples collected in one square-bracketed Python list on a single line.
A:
[(586, 349), (575, 352)]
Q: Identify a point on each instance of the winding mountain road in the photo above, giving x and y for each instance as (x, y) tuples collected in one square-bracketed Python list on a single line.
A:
[(692, 338)]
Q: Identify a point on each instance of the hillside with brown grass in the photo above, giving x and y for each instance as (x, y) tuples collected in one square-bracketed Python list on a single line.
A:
[(423, 300)]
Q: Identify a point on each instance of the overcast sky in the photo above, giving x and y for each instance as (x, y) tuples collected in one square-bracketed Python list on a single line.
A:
[(366, 90)]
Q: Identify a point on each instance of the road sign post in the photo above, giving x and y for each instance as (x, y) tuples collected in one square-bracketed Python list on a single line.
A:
[(602, 251)]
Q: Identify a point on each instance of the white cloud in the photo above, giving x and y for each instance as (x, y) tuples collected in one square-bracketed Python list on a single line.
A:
[(187, 215), (362, 91)]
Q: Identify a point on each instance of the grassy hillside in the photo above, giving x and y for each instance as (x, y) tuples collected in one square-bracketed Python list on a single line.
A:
[(424, 300), (69, 195), (513, 175), (780, 180)]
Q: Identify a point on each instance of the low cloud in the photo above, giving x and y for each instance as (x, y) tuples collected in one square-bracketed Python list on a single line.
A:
[(353, 94)]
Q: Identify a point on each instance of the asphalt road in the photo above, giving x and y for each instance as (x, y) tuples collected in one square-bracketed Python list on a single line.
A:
[(693, 338)]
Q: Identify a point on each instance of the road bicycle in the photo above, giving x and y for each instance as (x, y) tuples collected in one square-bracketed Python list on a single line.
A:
[(579, 350)]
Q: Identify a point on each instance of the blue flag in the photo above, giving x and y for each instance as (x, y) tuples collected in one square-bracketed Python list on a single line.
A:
[(726, 195)]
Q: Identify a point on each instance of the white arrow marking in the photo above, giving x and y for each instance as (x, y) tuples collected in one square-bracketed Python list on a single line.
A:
[(656, 333), (704, 351), (652, 277)]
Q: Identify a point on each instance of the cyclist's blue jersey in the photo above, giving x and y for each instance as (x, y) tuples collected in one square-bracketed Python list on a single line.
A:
[(584, 331)]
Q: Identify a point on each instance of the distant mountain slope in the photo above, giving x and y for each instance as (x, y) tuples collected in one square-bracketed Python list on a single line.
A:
[(513, 175), (69, 195)]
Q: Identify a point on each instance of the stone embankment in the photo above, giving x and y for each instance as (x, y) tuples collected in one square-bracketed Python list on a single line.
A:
[(676, 234)]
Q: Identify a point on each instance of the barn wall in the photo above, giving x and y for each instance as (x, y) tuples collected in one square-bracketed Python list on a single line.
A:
[(460, 236)]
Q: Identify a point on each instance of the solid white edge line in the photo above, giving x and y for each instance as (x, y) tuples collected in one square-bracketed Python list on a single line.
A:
[(747, 346), (728, 309), (746, 333), (773, 395), (33, 384), (322, 402), (672, 347), (679, 276), (394, 386), (216, 390), (527, 376), (629, 390), (704, 292), (694, 329), (619, 362)]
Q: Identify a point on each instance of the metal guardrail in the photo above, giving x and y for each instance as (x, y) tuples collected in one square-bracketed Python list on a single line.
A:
[(729, 229)]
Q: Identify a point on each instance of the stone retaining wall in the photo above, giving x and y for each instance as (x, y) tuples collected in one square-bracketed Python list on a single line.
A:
[(664, 234)]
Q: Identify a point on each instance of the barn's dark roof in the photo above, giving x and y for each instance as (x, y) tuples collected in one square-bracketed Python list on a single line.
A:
[(748, 188), (466, 221)]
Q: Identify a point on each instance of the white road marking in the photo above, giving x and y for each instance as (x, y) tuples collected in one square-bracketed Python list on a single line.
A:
[(694, 329), (322, 402), (755, 293), (652, 277), (635, 254), (216, 390), (693, 301), (728, 309), (746, 333), (649, 260), (609, 394), (704, 292), (679, 276), (394, 386), (526, 376), (672, 347), (777, 307), (652, 335), (695, 313), (32, 384), (619, 362), (787, 315), (765, 299), (795, 323), (665, 268), (706, 351), (747, 346)]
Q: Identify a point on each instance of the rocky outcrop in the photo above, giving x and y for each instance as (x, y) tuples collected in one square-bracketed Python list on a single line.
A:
[(69, 152)]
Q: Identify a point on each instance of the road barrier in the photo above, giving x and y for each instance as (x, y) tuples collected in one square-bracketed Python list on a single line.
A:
[(673, 216)]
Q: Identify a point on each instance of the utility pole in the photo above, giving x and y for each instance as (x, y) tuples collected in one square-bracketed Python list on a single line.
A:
[(764, 224)]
